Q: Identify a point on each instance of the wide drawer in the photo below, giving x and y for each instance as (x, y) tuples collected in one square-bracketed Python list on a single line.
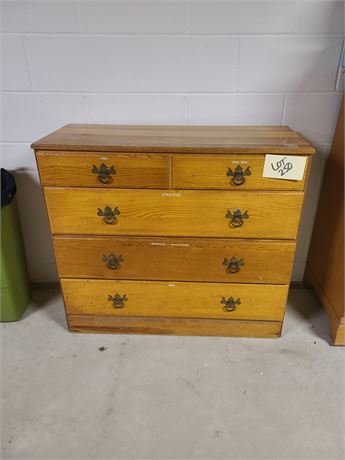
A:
[(183, 300), (228, 172), (174, 326), (103, 170), (174, 213), (183, 259)]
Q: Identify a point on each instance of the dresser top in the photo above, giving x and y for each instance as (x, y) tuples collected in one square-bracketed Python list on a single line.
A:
[(181, 139)]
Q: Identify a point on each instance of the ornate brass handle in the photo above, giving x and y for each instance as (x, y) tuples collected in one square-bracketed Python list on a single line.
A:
[(108, 214), (233, 265), (230, 303), (104, 173), (236, 217), (238, 176), (112, 261), (117, 300)]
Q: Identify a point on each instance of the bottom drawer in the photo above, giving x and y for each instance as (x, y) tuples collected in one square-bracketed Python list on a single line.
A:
[(182, 299), (174, 326)]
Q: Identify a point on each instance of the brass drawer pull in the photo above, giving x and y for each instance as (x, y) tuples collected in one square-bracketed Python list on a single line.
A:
[(233, 265), (108, 214), (238, 176), (112, 261), (230, 303), (236, 217), (117, 300), (104, 173)]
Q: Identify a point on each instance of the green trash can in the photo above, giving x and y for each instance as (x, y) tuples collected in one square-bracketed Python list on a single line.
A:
[(14, 280)]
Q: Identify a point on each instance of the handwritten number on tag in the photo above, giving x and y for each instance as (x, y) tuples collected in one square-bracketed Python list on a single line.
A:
[(282, 166)]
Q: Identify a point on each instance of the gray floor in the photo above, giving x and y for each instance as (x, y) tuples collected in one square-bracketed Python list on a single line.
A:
[(160, 397)]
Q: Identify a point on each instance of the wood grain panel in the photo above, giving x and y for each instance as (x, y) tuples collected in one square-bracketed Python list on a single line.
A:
[(131, 171), (325, 264), (210, 172), (326, 253), (183, 300), (179, 259), (174, 326), (337, 323), (174, 213), (173, 139)]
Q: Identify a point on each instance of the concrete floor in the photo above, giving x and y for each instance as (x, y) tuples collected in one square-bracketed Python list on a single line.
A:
[(159, 397)]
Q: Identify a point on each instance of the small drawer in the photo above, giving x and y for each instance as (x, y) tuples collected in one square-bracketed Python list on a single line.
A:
[(85, 169), (174, 213), (226, 172), (183, 259), (168, 299)]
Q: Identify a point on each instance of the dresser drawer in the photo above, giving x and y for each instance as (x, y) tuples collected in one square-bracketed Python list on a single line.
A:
[(228, 172), (187, 259), (174, 213), (183, 300), (103, 170)]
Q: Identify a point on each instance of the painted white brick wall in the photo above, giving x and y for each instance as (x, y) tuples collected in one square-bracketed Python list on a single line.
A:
[(164, 62)]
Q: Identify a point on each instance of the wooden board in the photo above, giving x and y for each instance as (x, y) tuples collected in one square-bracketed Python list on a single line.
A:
[(337, 323), (339, 335), (179, 259), (326, 253), (190, 139), (174, 213), (170, 299), (211, 172), (130, 171), (325, 264), (174, 326)]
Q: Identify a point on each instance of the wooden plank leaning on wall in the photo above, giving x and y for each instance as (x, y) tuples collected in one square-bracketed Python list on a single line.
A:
[(325, 265)]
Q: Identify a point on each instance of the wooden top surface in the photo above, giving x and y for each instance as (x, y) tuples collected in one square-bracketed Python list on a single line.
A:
[(179, 139)]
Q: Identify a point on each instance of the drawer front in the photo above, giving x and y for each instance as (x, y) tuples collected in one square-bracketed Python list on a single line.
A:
[(187, 259), (174, 213), (103, 170), (227, 172), (183, 300)]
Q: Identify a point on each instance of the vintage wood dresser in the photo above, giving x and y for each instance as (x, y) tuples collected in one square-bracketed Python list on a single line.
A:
[(172, 230)]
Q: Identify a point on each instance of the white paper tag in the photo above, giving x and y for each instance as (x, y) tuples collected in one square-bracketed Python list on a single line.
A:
[(288, 167)]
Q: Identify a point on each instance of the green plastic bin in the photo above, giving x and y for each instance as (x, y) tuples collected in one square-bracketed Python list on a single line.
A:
[(14, 281)]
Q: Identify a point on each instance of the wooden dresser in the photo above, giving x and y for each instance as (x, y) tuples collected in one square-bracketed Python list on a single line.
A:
[(172, 230)]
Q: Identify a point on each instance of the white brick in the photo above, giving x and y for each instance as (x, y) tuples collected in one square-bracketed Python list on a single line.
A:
[(235, 109), (81, 63), (298, 270), (313, 115), (136, 109), (243, 16), (185, 64), (17, 157), (35, 226), (288, 63), (30, 116), (39, 16), (132, 17), (324, 16), (15, 72), (311, 201)]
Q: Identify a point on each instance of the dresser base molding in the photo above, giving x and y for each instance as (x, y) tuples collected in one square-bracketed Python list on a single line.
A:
[(174, 326)]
